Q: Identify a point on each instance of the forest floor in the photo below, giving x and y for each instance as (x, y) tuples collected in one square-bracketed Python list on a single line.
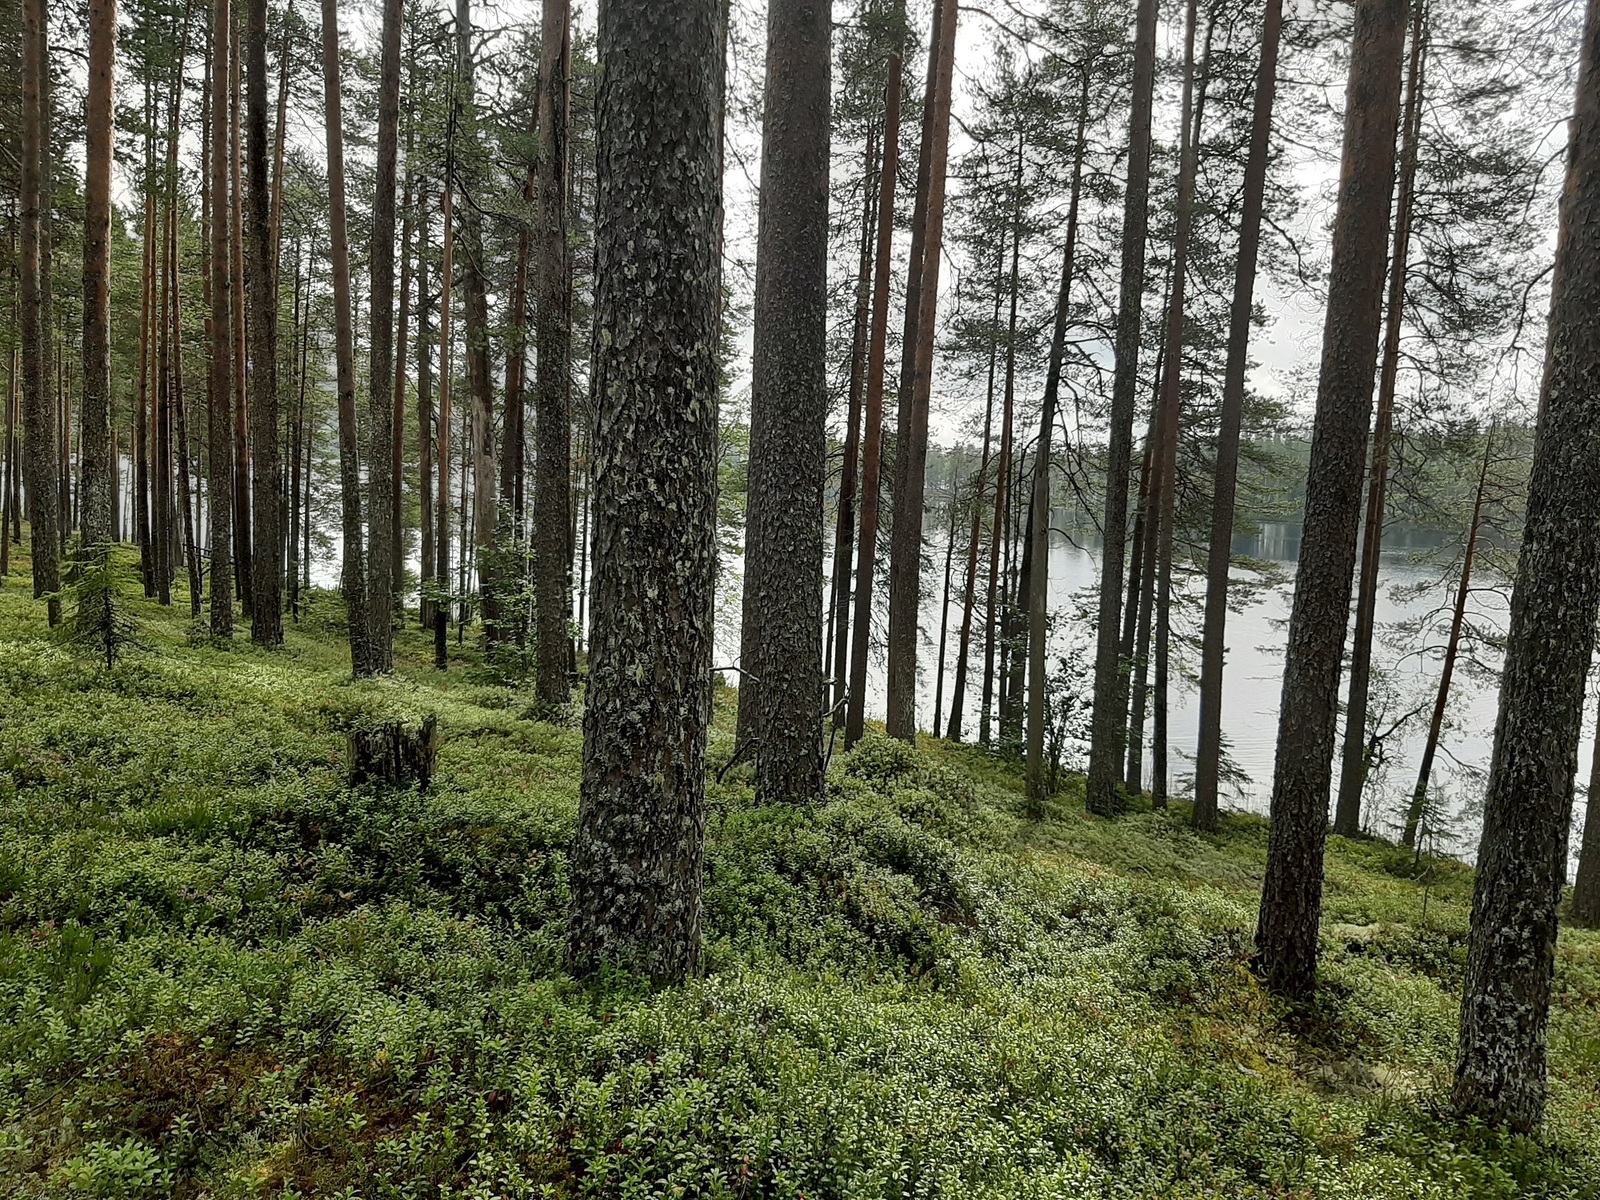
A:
[(224, 972)]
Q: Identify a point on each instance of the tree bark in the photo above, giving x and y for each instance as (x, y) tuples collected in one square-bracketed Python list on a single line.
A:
[(872, 443), (838, 649), (219, 379), (1110, 678), (1193, 110), (1291, 902), (552, 370), (1219, 554), (1353, 772), (353, 580), (916, 383), (266, 578), (140, 450), (781, 691), (441, 548), (96, 418), (944, 609), (1522, 862), (382, 517), (425, 448), (636, 861), (244, 540)]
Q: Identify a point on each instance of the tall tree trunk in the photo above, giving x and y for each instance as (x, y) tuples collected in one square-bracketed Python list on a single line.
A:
[(944, 609), (553, 372), (266, 579), (1219, 554), (1193, 111), (244, 538), (97, 504), (475, 313), (916, 383), (441, 548), (1110, 678), (397, 556), (1144, 597), (296, 438), (39, 427), (994, 599), (1522, 862), (140, 450), (1353, 773), (1458, 619), (279, 135), (1039, 773), (382, 516), (1291, 902), (353, 580), (872, 443), (636, 860), (425, 450), (849, 473), (219, 379), (782, 649), (8, 459), (191, 550)]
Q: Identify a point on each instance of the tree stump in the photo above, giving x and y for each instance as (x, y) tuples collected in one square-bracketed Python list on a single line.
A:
[(394, 753)]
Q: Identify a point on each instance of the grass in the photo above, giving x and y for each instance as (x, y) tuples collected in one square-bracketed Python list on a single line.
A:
[(224, 973)]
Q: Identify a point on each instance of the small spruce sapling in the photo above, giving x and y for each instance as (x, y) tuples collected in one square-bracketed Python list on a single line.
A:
[(99, 619)]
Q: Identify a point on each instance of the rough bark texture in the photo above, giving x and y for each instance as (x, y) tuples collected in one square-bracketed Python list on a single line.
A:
[(475, 324), (1291, 902), (1110, 681), (395, 754), (637, 858), (96, 419), (911, 445), (219, 377), (552, 371), (382, 515), (353, 580), (242, 516), (1219, 555), (38, 417), (1353, 768), (872, 442), (441, 547), (266, 466), (788, 410), (1522, 861)]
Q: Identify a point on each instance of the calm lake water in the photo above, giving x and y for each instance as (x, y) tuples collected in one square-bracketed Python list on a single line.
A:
[(1416, 594)]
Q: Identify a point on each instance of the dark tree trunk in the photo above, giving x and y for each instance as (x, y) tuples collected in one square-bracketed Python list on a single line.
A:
[(266, 578), (244, 557), (296, 437), (1219, 555), (844, 526), (916, 383), (397, 466), (441, 547), (1353, 772), (1522, 861), (636, 861), (782, 650), (1291, 902), (38, 418), (552, 371), (382, 517), (8, 459), (1193, 110), (994, 599), (219, 377), (1110, 678), (180, 415), (872, 444), (96, 420), (944, 609), (353, 581), (425, 449), (147, 298), (1039, 774)]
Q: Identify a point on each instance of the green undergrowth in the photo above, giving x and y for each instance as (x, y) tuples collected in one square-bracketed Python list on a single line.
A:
[(223, 972)]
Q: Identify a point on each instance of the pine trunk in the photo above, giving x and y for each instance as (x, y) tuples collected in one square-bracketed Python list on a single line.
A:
[(1291, 902), (96, 419), (243, 535), (553, 371), (782, 651), (353, 579), (1110, 673), (636, 862), (1219, 555), (916, 383), (219, 378), (441, 548), (266, 577), (872, 441)]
